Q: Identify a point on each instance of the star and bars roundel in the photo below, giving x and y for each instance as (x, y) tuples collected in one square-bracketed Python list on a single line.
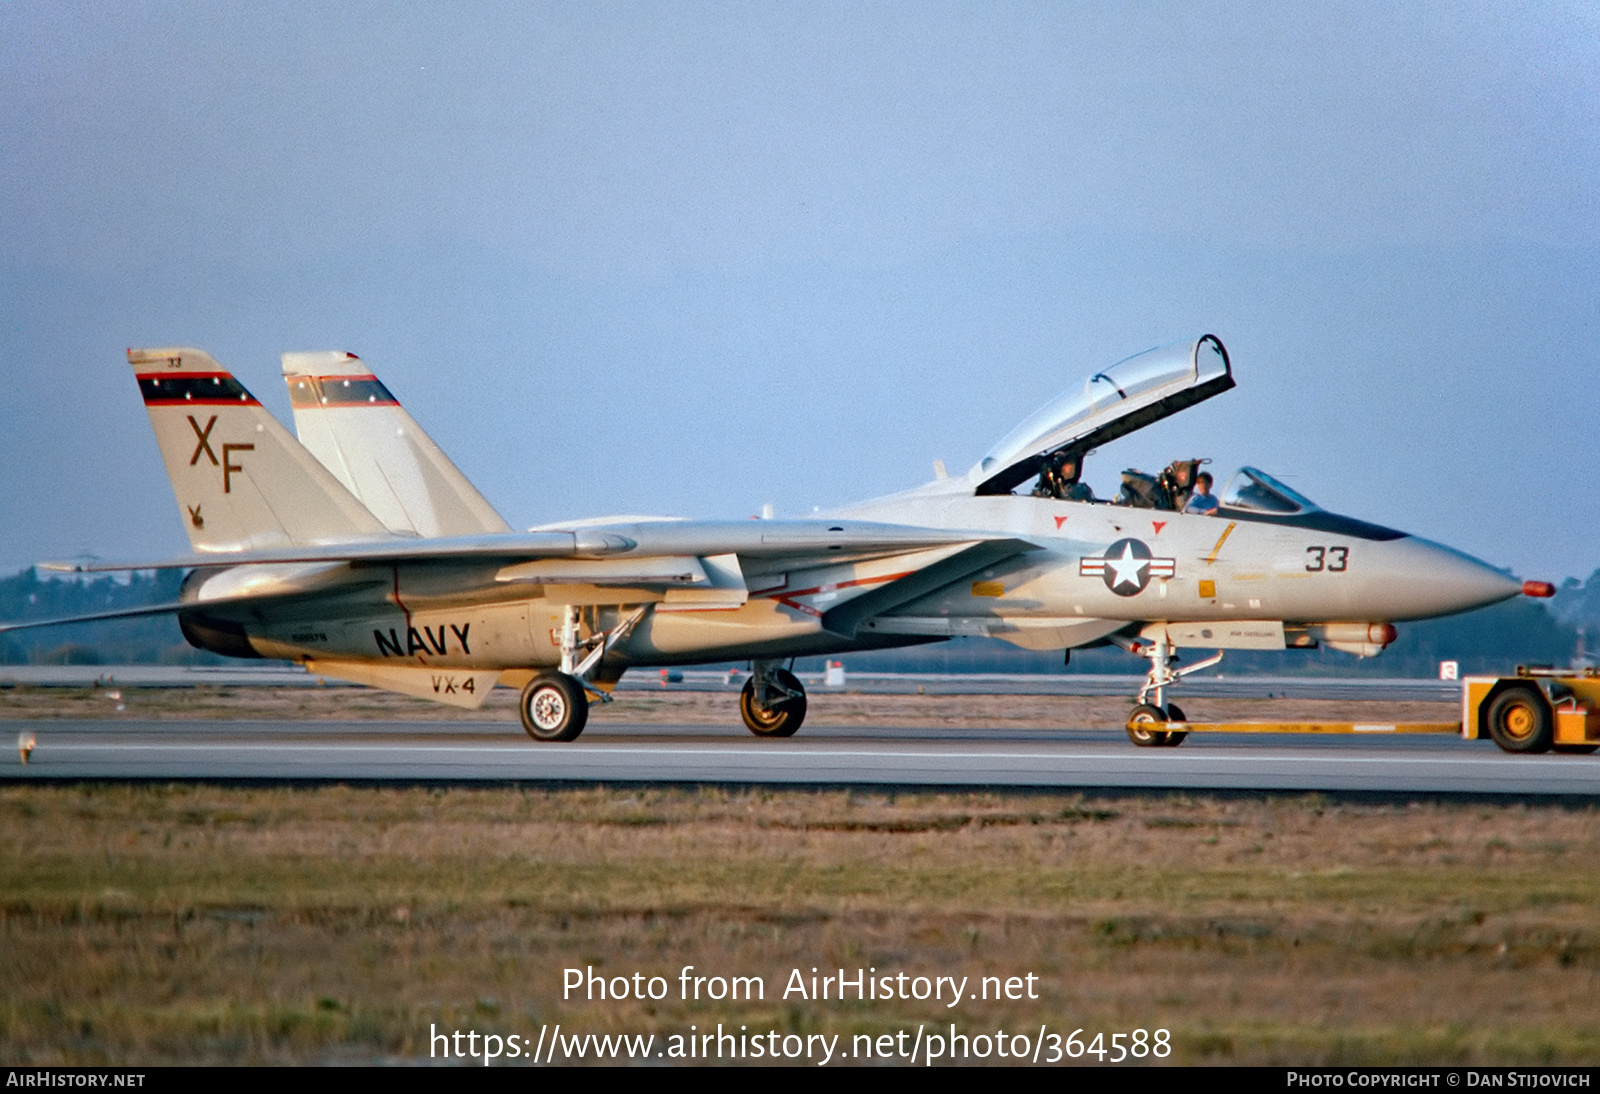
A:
[(1127, 567)]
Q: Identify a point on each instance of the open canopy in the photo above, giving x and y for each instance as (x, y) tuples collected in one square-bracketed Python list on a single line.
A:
[(1127, 396)]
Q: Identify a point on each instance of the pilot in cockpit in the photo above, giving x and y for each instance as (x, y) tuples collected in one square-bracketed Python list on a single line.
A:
[(1059, 480), (1202, 500)]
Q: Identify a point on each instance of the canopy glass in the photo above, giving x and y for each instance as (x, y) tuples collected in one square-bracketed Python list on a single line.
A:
[(1127, 396)]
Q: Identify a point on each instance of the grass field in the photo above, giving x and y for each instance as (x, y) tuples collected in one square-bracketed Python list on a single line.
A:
[(195, 923)]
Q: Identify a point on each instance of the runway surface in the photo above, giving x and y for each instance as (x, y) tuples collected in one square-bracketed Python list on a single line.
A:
[(868, 683), (498, 752)]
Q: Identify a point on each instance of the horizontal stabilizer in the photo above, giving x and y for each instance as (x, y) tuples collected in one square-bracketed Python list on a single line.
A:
[(96, 617), (511, 547), (258, 587), (809, 541)]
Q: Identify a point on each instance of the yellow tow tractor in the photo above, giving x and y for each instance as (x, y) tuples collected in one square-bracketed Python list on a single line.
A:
[(1537, 710)]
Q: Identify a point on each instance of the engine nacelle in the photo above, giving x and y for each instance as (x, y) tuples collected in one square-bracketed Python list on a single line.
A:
[(205, 632)]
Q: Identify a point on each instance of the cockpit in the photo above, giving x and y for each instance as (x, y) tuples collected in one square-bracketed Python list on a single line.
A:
[(1258, 492), (1112, 403), (1050, 446)]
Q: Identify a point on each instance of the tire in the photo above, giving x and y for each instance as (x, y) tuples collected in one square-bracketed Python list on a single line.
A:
[(1176, 737), (779, 719), (1143, 715), (554, 707), (1520, 721)]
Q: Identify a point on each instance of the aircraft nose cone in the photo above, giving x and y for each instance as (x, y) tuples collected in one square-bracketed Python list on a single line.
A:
[(1439, 580)]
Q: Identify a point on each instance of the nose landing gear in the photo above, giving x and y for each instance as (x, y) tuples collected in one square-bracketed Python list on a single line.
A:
[(1146, 715), (773, 703)]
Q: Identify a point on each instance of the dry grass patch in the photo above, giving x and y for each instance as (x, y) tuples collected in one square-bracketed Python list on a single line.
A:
[(194, 923)]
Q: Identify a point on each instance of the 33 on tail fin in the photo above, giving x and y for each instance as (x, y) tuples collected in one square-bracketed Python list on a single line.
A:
[(240, 479), (349, 421)]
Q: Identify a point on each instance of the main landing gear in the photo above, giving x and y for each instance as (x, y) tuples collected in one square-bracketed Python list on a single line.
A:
[(555, 705), (773, 702), (1146, 716)]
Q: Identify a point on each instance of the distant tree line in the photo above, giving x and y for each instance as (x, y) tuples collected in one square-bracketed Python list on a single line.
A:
[(1561, 631), (148, 640)]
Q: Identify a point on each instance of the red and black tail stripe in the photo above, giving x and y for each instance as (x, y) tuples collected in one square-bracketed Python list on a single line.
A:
[(193, 388), (356, 390)]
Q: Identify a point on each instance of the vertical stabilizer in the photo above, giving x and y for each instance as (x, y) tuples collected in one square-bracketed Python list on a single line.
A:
[(348, 420), (240, 479)]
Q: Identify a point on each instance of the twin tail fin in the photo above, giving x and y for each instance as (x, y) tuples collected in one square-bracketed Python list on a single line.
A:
[(241, 481), (352, 424)]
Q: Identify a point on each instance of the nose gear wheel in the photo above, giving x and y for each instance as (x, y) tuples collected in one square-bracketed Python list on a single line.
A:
[(780, 706), (1145, 716)]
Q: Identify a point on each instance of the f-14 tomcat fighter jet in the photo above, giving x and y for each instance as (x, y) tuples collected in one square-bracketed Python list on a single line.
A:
[(366, 556)]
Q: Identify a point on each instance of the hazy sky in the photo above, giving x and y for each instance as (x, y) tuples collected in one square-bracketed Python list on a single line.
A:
[(692, 258)]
